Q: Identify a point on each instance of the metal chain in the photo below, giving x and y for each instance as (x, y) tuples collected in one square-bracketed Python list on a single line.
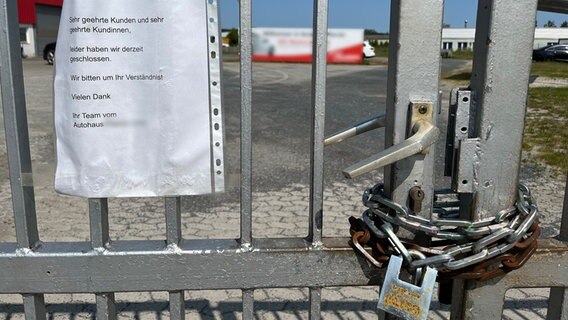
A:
[(469, 250)]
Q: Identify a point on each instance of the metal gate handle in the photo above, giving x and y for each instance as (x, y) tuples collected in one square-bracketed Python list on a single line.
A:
[(425, 135)]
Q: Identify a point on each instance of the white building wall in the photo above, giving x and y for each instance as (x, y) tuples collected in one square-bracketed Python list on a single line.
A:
[(457, 37)]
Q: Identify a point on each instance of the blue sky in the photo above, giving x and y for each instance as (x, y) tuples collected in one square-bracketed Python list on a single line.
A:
[(370, 14)]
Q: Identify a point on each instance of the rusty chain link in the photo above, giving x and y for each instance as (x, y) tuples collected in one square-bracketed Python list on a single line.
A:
[(462, 250)]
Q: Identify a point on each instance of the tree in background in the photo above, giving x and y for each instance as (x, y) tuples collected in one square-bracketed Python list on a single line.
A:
[(233, 37), (564, 24), (550, 24)]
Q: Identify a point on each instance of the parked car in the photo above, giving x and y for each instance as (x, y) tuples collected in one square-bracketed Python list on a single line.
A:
[(49, 53), (368, 50), (552, 52)]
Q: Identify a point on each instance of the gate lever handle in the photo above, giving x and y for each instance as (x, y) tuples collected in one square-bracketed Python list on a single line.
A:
[(425, 134), (362, 127)]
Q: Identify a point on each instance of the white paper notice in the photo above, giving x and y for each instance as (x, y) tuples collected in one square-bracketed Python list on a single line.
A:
[(133, 99)]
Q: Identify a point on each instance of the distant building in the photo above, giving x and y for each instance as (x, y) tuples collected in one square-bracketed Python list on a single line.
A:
[(377, 38), (39, 22), (463, 39)]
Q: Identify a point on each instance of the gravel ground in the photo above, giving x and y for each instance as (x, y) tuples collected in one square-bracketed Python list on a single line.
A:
[(280, 212), (549, 82)]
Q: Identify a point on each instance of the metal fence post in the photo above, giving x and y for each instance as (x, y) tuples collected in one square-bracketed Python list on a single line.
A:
[(501, 69), (558, 301), (319, 72), (317, 121), (17, 143), (100, 239), (412, 77), (174, 238), (245, 37)]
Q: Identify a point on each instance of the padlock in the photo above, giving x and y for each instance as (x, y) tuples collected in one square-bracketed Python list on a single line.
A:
[(404, 299)]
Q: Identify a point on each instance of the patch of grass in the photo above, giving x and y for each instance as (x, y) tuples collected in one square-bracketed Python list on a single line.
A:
[(552, 69), (459, 76), (462, 54), (382, 51), (546, 127)]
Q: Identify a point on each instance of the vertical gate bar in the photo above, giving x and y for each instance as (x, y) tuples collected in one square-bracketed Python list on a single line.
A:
[(16, 127), (98, 221), (248, 304), (557, 304), (319, 74), (558, 299), (34, 307), (458, 293), (173, 238), (480, 304), (106, 307), (563, 235), (100, 239), (315, 304), (245, 13), (501, 68), (412, 76), (17, 142), (173, 220), (177, 305)]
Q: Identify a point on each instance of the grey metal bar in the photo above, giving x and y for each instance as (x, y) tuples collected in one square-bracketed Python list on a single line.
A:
[(319, 72), (100, 240), (501, 68), (177, 305), (215, 94), (360, 128), (106, 307), (558, 299), (484, 299), (558, 6), (34, 307), (141, 265), (563, 235), (173, 220), (246, 120), (557, 304), (498, 79), (17, 142), (412, 77), (458, 294), (98, 221), (16, 127), (315, 304), (173, 238), (248, 304)]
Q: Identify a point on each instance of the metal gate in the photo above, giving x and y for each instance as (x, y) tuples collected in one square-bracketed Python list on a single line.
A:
[(500, 76)]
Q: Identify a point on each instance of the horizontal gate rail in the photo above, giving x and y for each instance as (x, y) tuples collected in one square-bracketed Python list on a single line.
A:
[(547, 268), (150, 266)]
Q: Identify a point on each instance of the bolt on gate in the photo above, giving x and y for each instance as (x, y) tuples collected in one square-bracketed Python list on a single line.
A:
[(486, 130)]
